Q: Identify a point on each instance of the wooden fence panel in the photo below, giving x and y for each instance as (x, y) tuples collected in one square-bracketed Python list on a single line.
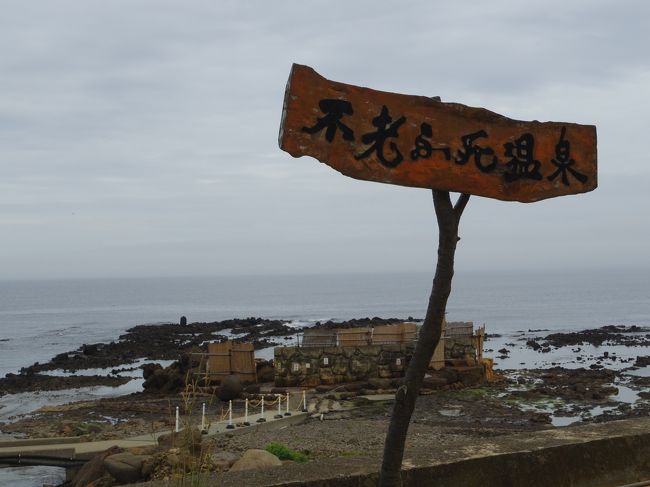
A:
[(319, 337), (410, 332), (242, 361), (354, 337), (460, 329), (219, 358), (397, 333), (228, 357), (387, 334)]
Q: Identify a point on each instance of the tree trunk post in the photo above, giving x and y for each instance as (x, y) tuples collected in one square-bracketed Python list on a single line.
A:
[(448, 217)]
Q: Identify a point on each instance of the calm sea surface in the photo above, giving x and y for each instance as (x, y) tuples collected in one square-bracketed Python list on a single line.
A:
[(39, 319)]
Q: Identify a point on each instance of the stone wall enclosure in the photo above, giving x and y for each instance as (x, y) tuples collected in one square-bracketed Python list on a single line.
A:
[(311, 366)]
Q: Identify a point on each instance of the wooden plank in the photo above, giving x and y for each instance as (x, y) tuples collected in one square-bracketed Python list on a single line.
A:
[(410, 331), (353, 337), (319, 337), (242, 361), (219, 364), (388, 334), (422, 142), (459, 329)]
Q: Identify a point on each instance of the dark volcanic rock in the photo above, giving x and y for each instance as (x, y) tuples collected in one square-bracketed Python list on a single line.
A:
[(94, 469), (362, 322), (533, 344), (642, 361), (230, 388), (169, 379), (614, 335), (165, 341), (150, 369), (15, 383)]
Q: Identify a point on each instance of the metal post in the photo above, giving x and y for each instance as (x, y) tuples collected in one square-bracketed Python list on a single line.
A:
[(304, 402), (203, 418), (230, 425), (262, 419), (279, 415), (176, 429), (246, 423), (287, 413)]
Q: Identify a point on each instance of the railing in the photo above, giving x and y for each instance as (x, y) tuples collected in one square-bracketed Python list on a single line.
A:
[(264, 405)]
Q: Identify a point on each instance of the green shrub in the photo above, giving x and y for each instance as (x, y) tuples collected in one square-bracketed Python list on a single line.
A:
[(283, 452)]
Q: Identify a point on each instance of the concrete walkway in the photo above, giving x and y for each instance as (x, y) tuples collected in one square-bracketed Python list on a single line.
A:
[(74, 448)]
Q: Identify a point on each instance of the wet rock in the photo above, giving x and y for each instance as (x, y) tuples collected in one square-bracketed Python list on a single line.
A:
[(615, 335), (164, 381), (149, 369), (28, 381), (94, 468), (642, 361), (533, 344), (125, 467), (544, 418)]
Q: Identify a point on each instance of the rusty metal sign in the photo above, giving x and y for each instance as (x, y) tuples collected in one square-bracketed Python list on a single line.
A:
[(423, 142)]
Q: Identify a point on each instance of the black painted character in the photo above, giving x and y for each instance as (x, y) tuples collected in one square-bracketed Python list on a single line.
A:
[(470, 149), (385, 130), (334, 111), (563, 161), (423, 149), (523, 164)]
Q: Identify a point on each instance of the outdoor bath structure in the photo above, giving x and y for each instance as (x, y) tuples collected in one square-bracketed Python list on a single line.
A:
[(333, 356)]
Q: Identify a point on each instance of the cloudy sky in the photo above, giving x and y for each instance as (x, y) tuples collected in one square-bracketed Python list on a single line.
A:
[(139, 138)]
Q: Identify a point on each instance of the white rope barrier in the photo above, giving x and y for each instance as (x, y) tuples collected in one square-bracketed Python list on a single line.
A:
[(246, 422), (279, 415), (262, 419), (230, 425), (263, 403), (287, 412)]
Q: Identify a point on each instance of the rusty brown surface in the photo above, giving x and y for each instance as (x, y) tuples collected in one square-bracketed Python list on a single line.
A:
[(565, 152)]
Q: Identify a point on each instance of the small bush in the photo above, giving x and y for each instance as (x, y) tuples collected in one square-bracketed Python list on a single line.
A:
[(283, 452)]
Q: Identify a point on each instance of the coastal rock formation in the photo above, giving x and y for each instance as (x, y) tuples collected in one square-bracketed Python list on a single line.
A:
[(255, 459), (94, 469), (126, 467), (167, 380), (230, 388)]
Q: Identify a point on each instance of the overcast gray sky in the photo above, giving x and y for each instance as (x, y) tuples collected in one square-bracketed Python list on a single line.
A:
[(140, 137)]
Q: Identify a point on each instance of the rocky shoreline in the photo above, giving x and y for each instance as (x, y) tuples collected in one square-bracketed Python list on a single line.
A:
[(590, 387), (169, 341)]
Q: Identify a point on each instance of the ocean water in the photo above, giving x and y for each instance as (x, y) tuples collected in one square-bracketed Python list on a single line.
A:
[(39, 319)]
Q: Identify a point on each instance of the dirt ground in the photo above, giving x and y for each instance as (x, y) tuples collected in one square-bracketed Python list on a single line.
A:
[(491, 409)]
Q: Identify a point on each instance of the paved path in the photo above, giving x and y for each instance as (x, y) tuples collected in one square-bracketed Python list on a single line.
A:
[(73, 448)]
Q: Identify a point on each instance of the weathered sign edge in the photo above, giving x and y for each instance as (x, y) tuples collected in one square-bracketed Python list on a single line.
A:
[(477, 111)]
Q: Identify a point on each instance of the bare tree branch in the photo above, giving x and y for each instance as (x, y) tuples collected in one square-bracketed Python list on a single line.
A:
[(448, 218), (460, 205)]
